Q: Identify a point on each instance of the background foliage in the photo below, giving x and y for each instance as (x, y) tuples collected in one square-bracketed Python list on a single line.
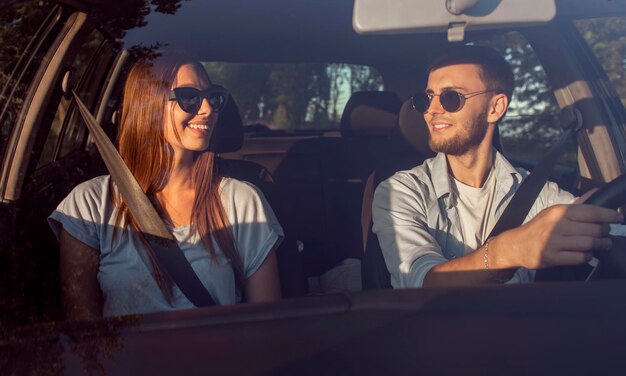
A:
[(293, 96)]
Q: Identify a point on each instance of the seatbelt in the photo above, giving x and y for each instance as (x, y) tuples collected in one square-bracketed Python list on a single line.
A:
[(523, 199), (150, 224)]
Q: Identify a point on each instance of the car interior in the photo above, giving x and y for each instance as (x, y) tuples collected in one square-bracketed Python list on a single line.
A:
[(318, 166), (319, 115), (319, 181)]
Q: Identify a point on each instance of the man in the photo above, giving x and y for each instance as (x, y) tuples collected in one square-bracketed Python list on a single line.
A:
[(433, 221)]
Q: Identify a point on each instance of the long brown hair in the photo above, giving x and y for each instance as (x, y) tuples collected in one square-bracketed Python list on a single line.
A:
[(142, 145)]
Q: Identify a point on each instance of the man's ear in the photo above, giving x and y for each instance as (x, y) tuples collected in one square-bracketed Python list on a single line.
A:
[(497, 107)]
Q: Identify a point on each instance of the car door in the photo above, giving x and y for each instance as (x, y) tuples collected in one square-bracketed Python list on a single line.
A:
[(46, 152)]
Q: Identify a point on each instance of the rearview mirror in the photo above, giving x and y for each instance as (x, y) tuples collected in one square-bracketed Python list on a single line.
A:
[(455, 16)]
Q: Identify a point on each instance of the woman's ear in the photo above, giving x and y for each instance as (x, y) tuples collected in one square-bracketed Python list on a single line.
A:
[(497, 108)]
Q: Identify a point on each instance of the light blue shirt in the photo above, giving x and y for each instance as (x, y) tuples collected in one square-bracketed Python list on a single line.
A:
[(417, 223), (124, 274)]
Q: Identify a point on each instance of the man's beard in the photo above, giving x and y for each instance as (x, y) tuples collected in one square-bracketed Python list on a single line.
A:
[(463, 142)]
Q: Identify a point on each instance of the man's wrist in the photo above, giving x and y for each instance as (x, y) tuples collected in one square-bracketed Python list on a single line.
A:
[(493, 262), (500, 256)]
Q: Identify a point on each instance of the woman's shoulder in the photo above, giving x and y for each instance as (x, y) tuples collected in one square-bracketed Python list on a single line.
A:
[(86, 205), (94, 187), (254, 226), (238, 189), (241, 198), (95, 183)]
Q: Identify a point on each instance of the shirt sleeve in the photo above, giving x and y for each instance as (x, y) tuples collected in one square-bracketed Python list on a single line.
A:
[(550, 195), (618, 230), (400, 223), (257, 230), (79, 214), (553, 195)]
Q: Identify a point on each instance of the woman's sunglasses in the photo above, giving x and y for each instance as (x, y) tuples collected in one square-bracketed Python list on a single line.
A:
[(451, 100), (190, 99)]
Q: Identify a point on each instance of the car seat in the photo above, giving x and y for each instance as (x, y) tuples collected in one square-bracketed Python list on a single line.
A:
[(228, 139), (367, 120), (406, 148)]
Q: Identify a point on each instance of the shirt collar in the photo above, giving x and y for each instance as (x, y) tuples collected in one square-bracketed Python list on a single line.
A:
[(440, 175), (506, 175)]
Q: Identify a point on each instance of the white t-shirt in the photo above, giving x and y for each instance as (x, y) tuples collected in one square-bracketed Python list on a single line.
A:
[(88, 214), (476, 207)]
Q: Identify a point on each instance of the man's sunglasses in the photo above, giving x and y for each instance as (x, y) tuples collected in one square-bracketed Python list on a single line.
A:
[(451, 100), (190, 99)]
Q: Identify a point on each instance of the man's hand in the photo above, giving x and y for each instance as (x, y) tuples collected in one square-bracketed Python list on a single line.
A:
[(558, 235)]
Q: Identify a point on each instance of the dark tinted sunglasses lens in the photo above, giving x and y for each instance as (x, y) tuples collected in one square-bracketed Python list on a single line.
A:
[(421, 102), (217, 100), (451, 101), (188, 99)]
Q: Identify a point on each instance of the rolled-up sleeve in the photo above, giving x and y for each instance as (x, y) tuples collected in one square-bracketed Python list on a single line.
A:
[(400, 222), (255, 227)]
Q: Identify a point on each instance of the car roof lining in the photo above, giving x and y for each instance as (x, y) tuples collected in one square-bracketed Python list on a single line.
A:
[(324, 29), (324, 32)]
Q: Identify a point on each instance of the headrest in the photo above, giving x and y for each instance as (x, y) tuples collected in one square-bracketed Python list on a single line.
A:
[(370, 113), (412, 132), (229, 129)]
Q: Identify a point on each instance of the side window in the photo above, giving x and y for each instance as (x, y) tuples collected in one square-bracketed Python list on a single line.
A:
[(26, 29), (68, 132), (293, 96), (607, 39), (531, 124)]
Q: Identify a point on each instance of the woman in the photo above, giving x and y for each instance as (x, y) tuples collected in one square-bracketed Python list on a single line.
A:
[(224, 227)]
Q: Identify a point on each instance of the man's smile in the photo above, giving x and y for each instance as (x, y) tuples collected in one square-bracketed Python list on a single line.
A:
[(441, 126)]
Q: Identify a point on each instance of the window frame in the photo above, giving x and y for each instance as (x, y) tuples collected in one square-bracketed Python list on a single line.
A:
[(50, 29), (25, 132), (103, 56), (573, 87)]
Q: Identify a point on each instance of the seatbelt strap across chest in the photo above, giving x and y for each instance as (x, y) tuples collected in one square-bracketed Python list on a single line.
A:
[(161, 241), (523, 199)]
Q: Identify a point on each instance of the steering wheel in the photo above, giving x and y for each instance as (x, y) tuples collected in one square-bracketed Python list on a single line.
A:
[(612, 195), (612, 263)]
